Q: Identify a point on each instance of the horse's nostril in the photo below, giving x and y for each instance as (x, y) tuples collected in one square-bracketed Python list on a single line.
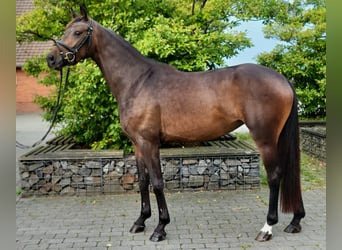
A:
[(51, 58)]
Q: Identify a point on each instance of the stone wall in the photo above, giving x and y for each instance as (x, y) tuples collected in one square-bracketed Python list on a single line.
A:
[(313, 141), (116, 175), (220, 165)]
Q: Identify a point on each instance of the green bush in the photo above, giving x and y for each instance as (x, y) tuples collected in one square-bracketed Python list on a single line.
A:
[(89, 112), (301, 55)]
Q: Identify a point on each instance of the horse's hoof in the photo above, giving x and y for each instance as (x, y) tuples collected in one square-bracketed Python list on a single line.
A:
[(293, 228), (156, 237), (137, 228), (263, 236)]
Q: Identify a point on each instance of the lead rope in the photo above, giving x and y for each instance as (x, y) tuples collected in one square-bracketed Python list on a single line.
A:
[(54, 118)]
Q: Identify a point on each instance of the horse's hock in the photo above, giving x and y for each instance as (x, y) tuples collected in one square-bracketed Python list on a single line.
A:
[(58, 168)]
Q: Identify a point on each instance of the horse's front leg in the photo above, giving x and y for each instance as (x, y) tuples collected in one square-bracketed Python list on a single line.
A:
[(159, 233), (148, 163), (150, 156), (145, 213)]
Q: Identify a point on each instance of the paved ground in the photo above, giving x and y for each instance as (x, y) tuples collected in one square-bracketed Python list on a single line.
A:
[(201, 220), (204, 220)]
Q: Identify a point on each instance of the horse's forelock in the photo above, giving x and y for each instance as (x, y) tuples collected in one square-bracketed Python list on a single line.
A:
[(75, 20)]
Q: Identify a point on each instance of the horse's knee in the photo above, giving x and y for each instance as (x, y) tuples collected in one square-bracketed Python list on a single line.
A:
[(143, 184), (158, 187)]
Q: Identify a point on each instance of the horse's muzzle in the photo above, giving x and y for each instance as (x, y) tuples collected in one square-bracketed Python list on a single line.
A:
[(54, 61)]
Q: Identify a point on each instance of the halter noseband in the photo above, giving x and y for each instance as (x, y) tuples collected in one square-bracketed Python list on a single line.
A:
[(70, 56)]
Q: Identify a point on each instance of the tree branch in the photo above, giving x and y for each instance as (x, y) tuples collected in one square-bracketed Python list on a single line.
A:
[(193, 7), (35, 34), (203, 4)]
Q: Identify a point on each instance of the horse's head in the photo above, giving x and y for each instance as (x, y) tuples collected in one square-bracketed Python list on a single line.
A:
[(75, 44)]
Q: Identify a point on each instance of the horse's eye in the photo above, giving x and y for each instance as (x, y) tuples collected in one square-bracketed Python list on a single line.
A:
[(77, 33)]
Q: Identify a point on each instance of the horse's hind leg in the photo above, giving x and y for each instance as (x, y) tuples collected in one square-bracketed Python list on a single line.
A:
[(269, 154), (268, 150), (294, 226)]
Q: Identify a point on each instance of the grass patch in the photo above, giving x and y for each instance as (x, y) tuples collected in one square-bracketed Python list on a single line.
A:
[(19, 191), (313, 171), (245, 137)]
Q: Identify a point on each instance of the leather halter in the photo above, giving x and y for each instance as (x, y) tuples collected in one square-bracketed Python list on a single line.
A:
[(70, 56)]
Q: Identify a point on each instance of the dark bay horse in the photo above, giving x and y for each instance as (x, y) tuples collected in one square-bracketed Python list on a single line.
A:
[(157, 103)]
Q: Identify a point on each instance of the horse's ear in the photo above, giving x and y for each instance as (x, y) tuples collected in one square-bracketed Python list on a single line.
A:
[(73, 13), (84, 12)]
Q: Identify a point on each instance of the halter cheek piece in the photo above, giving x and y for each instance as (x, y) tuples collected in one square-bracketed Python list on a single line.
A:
[(70, 56)]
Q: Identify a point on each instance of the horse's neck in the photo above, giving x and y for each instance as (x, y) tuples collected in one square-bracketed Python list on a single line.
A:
[(120, 63)]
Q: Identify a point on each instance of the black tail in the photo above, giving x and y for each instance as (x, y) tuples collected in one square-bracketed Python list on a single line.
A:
[(289, 160)]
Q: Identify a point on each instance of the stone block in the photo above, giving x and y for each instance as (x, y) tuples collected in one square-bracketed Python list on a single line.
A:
[(189, 162), (196, 181), (93, 164), (48, 169), (171, 185)]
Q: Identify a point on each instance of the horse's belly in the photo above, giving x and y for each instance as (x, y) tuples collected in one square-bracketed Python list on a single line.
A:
[(197, 129), (201, 114)]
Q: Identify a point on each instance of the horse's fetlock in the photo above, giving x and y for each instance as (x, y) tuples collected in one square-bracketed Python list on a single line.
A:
[(165, 220), (146, 213), (272, 219)]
